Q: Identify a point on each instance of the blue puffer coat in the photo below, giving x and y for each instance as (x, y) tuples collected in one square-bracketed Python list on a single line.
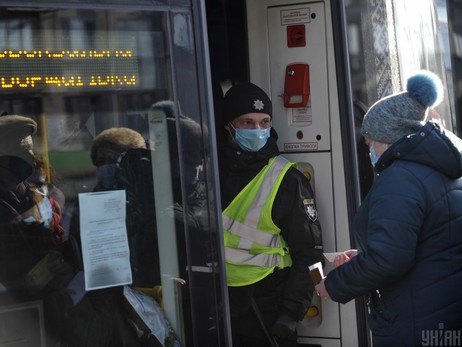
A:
[(409, 234)]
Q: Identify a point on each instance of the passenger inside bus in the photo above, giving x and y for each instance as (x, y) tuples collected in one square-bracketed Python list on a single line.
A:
[(124, 162), (38, 259), (272, 233), (36, 262)]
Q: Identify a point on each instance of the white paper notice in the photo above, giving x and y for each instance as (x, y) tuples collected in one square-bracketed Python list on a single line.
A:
[(105, 251)]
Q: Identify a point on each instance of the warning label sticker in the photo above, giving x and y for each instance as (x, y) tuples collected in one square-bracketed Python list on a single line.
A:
[(296, 15), (301, 146)]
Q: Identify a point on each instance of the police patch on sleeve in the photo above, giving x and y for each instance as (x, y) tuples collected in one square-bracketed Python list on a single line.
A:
[(310, 209)]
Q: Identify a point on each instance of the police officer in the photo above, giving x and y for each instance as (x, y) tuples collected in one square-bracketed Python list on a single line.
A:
[(271, 230)]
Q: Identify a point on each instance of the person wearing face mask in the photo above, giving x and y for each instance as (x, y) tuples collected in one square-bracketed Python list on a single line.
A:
[(106, 149), (123, 162), (271, 230), (100, 319), (408, 264), (36, 262)]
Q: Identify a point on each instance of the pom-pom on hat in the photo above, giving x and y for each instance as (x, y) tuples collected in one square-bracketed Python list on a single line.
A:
[(245, 98), (16, 134), (404, 113)]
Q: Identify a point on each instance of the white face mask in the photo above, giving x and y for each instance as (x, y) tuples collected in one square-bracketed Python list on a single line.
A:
[(45, 213)]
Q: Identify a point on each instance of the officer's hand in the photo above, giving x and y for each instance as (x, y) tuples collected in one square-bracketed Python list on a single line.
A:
[(284, 326)]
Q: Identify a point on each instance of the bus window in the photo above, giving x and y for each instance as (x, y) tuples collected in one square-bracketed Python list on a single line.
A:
[(96, 79)]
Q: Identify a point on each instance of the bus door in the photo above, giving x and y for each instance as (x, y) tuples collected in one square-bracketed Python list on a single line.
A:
[(298, 72), (78, 69)]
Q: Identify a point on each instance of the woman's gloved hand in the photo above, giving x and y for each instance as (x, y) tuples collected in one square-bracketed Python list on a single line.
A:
[(284, 326)]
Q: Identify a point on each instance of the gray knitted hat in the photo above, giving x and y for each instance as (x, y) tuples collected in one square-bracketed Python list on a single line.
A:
[(401, 114)]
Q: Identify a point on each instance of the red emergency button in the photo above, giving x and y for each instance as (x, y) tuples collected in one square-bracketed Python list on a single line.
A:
[(296, 36)]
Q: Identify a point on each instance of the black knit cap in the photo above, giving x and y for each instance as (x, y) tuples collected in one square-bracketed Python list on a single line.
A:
[(245, 98)]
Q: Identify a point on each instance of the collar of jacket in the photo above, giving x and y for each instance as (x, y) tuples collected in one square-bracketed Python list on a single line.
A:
[(432, 146), (238, 160)]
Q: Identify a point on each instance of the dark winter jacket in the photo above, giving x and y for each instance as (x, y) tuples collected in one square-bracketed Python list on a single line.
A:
[(35, 263), (409, 234), (289, 290)]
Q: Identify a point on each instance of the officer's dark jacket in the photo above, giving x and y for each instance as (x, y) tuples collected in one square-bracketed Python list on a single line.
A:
[(303, 236), (409, 232)]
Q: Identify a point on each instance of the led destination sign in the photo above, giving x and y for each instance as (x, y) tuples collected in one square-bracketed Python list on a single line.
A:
[(70, 69)]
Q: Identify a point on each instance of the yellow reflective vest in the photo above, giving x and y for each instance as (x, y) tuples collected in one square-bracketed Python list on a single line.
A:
[(253, 244)]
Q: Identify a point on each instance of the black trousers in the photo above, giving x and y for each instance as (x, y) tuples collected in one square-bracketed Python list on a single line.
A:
[(247, 325)]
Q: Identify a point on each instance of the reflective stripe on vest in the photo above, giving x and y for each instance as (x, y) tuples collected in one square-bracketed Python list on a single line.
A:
[(253, 246)]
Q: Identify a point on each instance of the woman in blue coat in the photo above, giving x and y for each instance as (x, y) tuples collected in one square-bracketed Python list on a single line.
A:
[(409, 227)]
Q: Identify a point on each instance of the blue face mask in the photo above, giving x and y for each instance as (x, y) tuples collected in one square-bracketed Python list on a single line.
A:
[(106, 175), (252, 140), (373, 156)]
